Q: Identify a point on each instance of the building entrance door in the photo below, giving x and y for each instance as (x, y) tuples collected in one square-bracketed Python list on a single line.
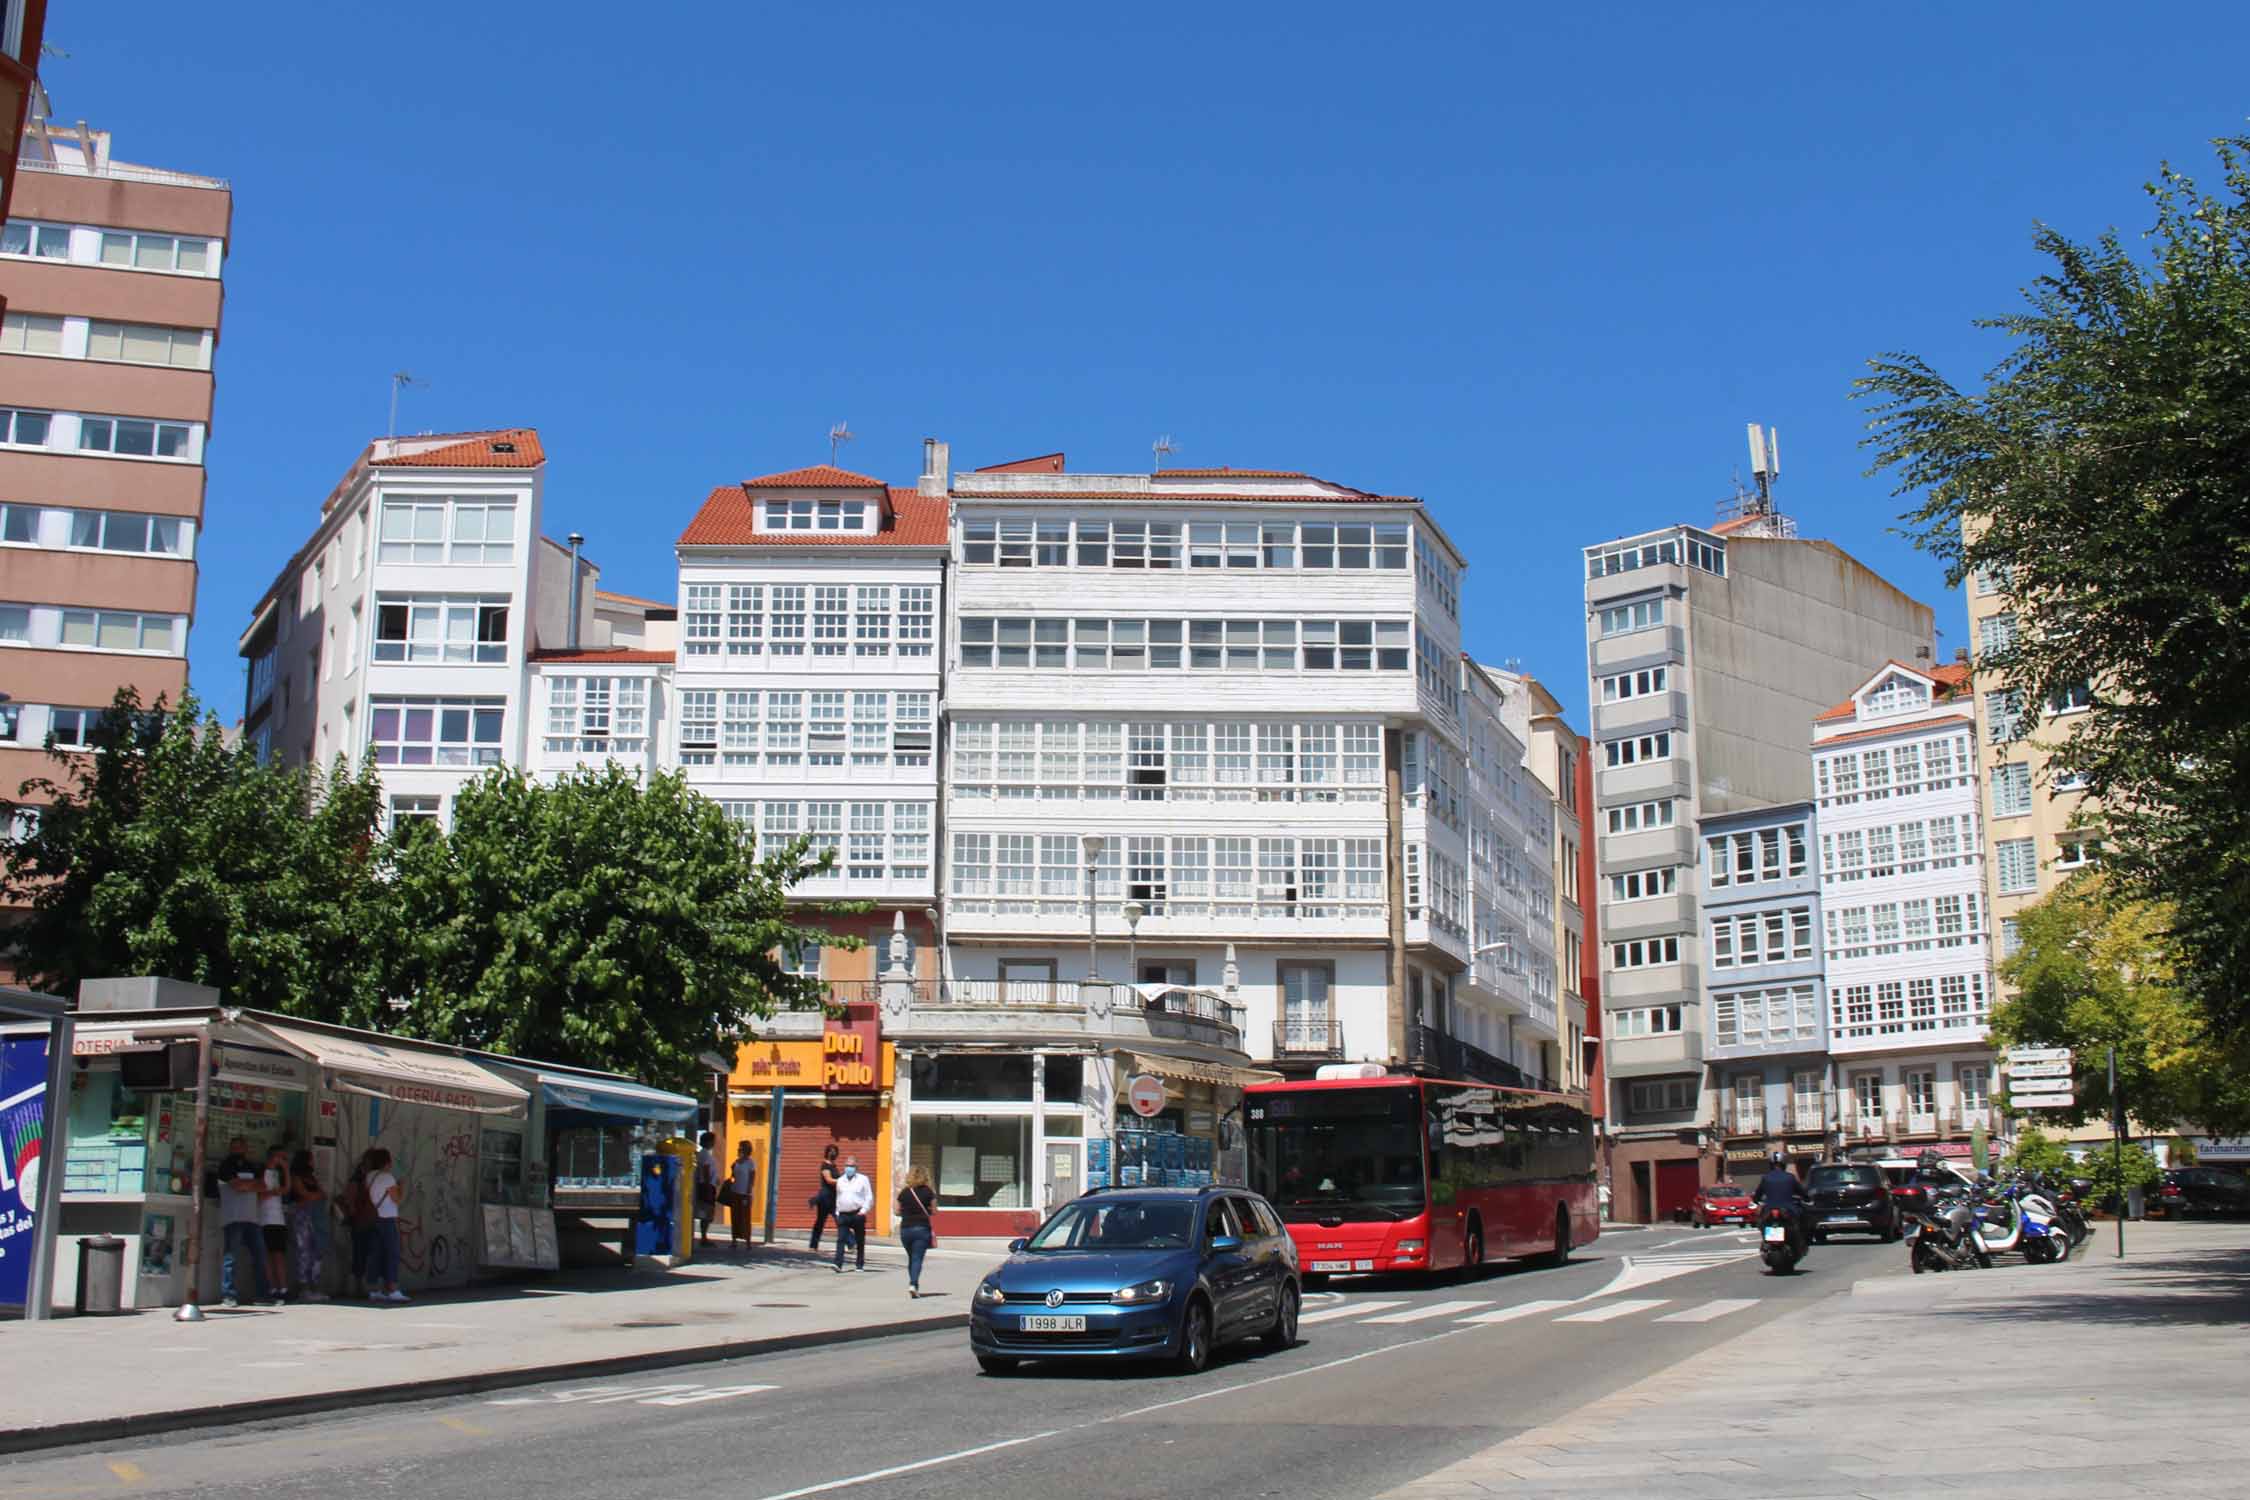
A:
[(1676, 1182), (1063, 1162)]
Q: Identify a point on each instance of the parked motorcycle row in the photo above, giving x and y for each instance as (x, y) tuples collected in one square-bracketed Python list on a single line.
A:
[(1962, 1227)]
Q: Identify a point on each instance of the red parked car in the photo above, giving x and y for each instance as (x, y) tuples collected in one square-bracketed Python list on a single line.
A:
[(1722, 1203)]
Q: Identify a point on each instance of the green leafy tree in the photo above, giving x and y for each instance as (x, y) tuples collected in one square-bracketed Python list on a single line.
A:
[(595, 920), (2037, 1151), (163, 849), (2102, 478), (2113, 1170), (2098, 968)]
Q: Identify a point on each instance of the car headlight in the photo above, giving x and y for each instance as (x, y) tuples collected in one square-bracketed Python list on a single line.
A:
[(1146, 1292), (990, 1295)]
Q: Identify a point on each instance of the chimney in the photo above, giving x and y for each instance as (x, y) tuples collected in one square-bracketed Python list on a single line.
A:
[(570, 631), (937, 466), (1960, 656)]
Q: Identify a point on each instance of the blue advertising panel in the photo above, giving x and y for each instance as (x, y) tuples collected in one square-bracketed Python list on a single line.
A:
[(23, 1133)]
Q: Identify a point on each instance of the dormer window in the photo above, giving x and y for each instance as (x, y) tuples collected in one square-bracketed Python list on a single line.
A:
[(1896, 695), (816, 515)]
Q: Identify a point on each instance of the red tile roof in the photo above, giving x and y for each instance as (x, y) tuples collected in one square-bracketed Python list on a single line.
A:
[(818, 477), (621, 655), (1952, 680), (1949, 721), (1045, 463), (506, 448), (729, 519), (1349, 497), (1231, 474)]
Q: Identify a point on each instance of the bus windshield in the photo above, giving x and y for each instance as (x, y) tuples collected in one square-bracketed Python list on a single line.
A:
[(1338, 1154)]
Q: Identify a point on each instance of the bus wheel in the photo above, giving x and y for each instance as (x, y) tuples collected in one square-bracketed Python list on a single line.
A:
[(1561, 1253), (1472, 1247)]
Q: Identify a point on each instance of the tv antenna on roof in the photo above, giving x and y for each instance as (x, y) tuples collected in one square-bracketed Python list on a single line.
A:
[(838, 435), (1750, 510), (1765, 464), (1163, 448), (400, 380)]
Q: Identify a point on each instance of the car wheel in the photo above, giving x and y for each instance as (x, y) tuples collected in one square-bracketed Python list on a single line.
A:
[(1820, 1239), (993, 1364), (1283, 1334), (1701, 1222), (1195, 1339)]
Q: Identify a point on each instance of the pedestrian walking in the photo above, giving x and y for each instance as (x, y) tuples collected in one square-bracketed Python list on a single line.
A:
[(273, 1222), (706, 1186), (916, 1202), (855, 1195), (237, 1180), (824, 1202), (384, 1189), (308, 1226), (742, 1185), (359, 1210)]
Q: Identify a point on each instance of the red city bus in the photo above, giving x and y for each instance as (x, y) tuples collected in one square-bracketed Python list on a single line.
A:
[(1422, 1174)]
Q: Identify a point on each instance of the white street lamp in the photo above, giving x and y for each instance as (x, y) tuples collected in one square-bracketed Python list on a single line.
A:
[(1093, 843)]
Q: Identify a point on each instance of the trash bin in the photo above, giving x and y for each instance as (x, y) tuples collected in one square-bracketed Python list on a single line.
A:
[(101, 1275)]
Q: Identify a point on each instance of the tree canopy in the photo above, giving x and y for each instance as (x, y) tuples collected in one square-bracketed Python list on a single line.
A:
[(2099, 969), (2101, 481), (165, 849), (596, 920), (593, 919)]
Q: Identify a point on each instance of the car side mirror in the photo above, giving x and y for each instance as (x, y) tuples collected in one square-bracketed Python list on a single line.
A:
[(1226, 1242), (1015, 1245)]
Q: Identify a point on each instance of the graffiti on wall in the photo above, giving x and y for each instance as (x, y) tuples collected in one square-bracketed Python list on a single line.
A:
[(434, 1153)]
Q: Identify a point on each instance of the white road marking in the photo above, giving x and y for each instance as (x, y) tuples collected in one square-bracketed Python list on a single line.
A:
[(1431, 1310), (1609, 1310), (1348, 1310), (1520, 1310), (1639, 1271), (716, 1393), (923, 1463), (1709, 1310)]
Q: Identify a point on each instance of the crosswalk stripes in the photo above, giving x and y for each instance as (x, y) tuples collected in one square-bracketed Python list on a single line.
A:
[(1709, 1310), (1347, 1310), (1430, 1310), (1602, 1312), (1520, 1310)]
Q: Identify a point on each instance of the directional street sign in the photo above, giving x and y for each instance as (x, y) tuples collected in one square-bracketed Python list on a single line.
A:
[(2043, 1101), (2019, 1087), (2038, 1054), (2039, 1070)]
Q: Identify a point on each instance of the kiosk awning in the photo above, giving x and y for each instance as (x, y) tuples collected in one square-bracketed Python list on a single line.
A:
[(404, 1075), (1190, 1070), (613, 1097)]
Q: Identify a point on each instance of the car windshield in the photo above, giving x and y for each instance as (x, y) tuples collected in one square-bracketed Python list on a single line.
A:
[(1725, 1190), (1338, 1154), (1117, 1224), (1845, 1177)]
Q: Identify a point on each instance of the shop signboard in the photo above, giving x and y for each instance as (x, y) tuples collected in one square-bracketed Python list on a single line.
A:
[(23, 1136), (851, 1054), (111, 1043), (1145, 1092), (232, 1063), (776, 1064)]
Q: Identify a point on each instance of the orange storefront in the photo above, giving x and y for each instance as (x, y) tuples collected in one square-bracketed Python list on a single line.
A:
[(834, 1090)]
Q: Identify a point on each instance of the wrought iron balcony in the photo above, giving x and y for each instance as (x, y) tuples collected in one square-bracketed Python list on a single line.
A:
[(1323, 1037), (1450, 1057)]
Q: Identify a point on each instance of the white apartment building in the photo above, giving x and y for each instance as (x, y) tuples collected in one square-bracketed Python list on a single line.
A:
[(1506, 1000), (1904, 913), (1554, 754), (1232, 701), (405, 628)]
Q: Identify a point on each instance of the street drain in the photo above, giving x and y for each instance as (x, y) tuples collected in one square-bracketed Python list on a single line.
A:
[(781, 1304), (649, 1323)]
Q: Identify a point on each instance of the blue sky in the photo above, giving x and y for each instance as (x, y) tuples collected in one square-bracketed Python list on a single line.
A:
[(1539, 268)]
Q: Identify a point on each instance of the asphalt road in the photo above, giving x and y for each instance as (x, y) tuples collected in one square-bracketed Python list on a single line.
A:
[(1389, 1381)]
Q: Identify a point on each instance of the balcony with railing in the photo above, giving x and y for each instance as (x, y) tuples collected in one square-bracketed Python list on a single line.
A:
[(996, 1007), (1805, 1117), (1431, 1050), (1300, 1038), (1742, 1121)]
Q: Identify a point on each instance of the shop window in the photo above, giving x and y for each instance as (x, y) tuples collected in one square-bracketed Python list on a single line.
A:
[(500, 1176), (977, 1161), (1066, 1082), (975, 1077)]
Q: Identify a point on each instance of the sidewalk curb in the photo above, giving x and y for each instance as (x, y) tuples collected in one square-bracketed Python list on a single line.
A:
[(150, 1424)]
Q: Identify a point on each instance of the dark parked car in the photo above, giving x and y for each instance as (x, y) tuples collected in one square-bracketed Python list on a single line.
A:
[(2201, 1190), (1851, 1198), (1141, 1273)]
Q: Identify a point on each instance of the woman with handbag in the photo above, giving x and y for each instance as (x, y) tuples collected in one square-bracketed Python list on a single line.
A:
[(823, 1203), (917, 1201)]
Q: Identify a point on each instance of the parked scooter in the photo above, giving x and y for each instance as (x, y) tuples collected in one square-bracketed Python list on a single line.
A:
[(1941, 1234), (2045, 1240)]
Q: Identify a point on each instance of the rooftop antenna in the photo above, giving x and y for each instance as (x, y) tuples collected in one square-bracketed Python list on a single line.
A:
[(1765, 464), (1750, 511), (838, 435), (1163, 448), (400, 380)]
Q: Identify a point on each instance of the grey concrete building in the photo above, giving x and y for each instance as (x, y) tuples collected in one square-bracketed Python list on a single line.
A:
[(1708, 650)]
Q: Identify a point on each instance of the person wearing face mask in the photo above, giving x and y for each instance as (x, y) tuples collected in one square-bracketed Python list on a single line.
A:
[(855, 1195)]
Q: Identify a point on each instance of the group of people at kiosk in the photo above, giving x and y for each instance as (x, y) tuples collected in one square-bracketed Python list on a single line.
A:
[(274, 1231)]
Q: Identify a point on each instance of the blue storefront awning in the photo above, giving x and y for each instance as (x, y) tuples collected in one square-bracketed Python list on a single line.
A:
[(614, 1097)]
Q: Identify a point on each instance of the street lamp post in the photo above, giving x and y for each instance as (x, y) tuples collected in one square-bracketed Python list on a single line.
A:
[(1093, 844), (1133, 911)]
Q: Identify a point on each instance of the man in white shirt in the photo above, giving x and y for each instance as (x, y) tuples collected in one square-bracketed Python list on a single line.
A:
[(855, 1195), (238, 1219)]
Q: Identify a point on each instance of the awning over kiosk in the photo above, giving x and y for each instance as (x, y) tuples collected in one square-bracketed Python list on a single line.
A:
[(404, 1075), (613, 1097), (1189, 1070)]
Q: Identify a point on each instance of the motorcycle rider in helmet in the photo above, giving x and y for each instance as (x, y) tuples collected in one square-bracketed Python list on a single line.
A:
[(1778, 1190)]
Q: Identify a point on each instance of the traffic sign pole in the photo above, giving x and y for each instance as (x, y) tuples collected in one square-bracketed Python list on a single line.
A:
[(2117, 1147)]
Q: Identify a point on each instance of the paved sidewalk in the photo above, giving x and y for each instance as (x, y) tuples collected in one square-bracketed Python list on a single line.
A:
[(89, 1379), (2099, 1378)]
